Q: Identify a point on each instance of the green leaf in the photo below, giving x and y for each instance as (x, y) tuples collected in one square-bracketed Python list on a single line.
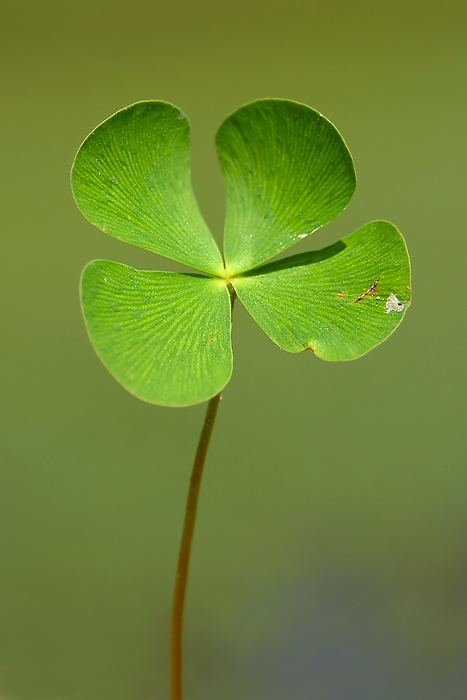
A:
[(339, 302), (131, 179), (288, 172), (165, 336)]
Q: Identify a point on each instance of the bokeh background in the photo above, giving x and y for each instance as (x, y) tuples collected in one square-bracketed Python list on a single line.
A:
[(330, 558)]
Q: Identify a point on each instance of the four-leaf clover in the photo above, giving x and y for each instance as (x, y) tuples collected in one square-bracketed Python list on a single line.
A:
[(166, 336)]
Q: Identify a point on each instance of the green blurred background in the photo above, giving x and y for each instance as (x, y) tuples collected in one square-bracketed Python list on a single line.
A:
[(330, 558)]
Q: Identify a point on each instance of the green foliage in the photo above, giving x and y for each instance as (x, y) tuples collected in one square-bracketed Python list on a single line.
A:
[(131, 179), (166, 336), (287, 172), (335, 306)]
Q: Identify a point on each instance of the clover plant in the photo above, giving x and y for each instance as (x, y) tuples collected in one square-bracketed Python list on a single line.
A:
[(166, 336)]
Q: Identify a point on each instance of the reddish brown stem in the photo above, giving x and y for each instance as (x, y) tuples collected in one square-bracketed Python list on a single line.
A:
[(185, 546)]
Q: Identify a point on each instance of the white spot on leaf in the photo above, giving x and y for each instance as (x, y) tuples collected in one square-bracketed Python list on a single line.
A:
[(393, 304)]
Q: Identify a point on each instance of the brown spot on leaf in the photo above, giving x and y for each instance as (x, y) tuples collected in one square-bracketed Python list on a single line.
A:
[(369, 292)]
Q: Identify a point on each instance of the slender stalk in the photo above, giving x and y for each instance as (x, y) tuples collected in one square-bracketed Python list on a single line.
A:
[(185, 546)]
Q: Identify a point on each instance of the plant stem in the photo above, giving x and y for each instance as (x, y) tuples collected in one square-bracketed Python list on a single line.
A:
[(185, 546)]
